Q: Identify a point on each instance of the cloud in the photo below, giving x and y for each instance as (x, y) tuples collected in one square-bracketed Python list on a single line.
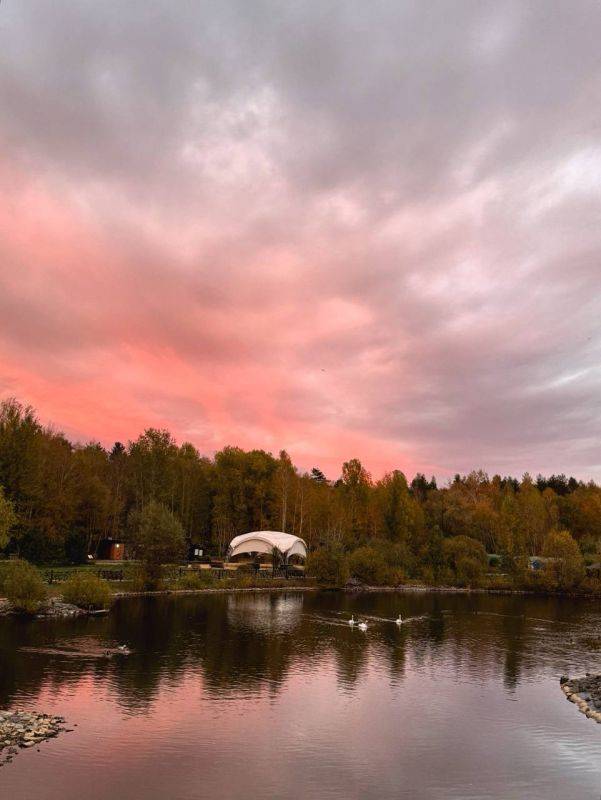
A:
[(343, 229)]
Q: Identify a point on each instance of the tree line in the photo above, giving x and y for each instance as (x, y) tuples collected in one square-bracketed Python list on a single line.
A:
[(59, 500)]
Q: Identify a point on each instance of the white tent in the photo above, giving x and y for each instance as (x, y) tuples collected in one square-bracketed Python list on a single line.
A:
[(265, 542)]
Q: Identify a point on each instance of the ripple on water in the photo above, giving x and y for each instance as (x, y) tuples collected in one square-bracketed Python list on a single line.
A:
[(277, 696)]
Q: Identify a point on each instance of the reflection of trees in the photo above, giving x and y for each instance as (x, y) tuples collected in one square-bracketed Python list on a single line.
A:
[(242, 644)]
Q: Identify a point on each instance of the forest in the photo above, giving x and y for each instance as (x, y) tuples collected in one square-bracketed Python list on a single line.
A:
[(59, 500)]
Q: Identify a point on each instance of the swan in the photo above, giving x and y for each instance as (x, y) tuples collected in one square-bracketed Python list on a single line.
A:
[(352, 620), (362, 626), (399, 620)]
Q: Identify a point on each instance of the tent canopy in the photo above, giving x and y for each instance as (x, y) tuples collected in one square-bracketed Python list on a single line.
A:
[(265, 541)]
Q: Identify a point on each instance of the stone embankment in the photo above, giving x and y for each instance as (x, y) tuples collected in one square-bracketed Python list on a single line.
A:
[(585, 693), (22, 729), (55, 608)]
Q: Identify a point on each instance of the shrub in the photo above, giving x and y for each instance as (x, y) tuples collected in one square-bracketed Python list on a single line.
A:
[(369, 566), (244, 582), (87, 591), (197, 579), (145, 579), (328, 567), (25, 588), (466, 559), (6, 568)]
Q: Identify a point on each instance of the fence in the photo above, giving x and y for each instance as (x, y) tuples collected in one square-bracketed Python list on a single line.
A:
[(262, 574), (58, 575), (61, 575)]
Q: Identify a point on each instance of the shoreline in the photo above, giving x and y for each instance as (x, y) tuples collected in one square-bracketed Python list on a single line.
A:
[(24, 729), (467, 590), (585, 693), (57, 609), (364, 589)]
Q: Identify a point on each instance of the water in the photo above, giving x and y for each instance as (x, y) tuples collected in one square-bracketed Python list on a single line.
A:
[(275, 696)]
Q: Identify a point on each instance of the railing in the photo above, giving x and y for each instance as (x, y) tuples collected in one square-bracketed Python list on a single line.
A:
[(52, 576), (58, 575), (261, 574)]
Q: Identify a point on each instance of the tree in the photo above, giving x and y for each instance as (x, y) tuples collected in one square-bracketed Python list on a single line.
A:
[(285, 474), (566, 569), (156, 538), (318, 476), (466, 558), (356, 490), (328, 567), (369, 566), (400, 512), (8, 519)]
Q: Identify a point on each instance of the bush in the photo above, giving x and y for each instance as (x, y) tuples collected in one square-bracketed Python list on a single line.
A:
[(328, 567), (6, 568), (87, 591), (466, 559), (369, 566), (25, 588), (244, 582), (197, 579), (146, 578)]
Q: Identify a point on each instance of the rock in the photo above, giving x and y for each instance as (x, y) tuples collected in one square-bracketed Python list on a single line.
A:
[(20, 729)]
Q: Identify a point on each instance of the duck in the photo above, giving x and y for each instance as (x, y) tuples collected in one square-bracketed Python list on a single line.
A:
[(362, 626), (352, 620), (399, 620), (123, 648)]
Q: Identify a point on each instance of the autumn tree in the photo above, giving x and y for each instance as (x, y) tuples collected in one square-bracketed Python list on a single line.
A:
[(566, 567), (8, 519), (156, 538)]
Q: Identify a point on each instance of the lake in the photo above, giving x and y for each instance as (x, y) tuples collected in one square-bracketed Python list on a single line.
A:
[(275, 696)]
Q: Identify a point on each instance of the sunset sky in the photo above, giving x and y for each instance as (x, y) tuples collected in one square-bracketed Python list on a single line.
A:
[(347, 229)]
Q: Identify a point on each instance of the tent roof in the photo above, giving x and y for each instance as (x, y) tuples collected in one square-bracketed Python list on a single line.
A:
[(264, 541)]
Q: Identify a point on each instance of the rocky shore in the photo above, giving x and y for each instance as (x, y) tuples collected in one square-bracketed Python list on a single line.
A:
[(23, 729), (585, 693), (55, 608)]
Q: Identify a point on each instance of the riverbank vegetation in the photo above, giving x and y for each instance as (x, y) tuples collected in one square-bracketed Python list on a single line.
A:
[(59, 501)]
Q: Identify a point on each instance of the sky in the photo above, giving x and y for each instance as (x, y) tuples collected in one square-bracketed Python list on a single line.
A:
[(345, 229)]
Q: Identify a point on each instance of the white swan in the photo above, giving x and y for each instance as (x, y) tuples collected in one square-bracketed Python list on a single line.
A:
[(352, 620), (362, 626), (399, 620)]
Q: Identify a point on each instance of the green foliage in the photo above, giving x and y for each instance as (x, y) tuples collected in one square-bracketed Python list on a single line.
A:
[(197, 579), (25, 588), (156, 538), (59, 500), (8, 518), (466, 559), (6, 567), (87, 591), (328, 567), (369, 566), (401, 514)]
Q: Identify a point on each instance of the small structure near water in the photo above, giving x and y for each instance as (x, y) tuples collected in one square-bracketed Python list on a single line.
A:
[(585, 693), (22, 729)]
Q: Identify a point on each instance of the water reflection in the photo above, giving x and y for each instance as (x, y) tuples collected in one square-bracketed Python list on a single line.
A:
[(238, 643), (413, 711)]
